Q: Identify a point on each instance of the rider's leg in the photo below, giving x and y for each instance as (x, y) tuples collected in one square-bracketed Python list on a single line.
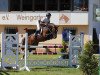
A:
[(36, 32), (38, 28)]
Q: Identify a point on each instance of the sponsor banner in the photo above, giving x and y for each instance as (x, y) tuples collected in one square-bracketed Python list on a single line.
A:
[(26, 18), (64, 18)]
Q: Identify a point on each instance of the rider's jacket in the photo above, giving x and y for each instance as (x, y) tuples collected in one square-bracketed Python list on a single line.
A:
[(46, 20)]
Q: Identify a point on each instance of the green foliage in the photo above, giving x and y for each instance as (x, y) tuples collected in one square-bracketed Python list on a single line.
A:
[(62, 50), (64, 44), (88, 62)]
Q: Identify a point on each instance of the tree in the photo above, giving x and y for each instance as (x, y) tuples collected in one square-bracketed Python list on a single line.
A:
[(88, 62)]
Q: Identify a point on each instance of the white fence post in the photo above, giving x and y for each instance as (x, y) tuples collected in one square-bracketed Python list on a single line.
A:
[(72, 46), (82, 41), (2, 48), (9, 50), (17, 48), (70, 50), (26, 48)]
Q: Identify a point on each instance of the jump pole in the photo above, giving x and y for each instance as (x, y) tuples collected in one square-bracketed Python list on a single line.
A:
[(26, 48)]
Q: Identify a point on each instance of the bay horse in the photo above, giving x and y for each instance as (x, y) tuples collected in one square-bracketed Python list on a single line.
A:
[(48, 32)]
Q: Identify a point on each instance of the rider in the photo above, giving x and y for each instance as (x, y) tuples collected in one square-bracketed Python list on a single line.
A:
[(45, 22)]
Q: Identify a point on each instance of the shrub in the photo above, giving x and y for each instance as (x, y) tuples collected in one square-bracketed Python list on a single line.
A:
[(64, 50), (88, 62)]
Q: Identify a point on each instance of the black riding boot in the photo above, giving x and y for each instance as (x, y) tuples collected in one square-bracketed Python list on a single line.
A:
[(36, 33)]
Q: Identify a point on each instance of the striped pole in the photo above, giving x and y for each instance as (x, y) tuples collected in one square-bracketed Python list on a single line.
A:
[(47, 46), (41, 46)]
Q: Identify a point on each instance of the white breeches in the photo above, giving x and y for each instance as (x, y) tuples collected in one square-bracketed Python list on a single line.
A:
[(38, 25)]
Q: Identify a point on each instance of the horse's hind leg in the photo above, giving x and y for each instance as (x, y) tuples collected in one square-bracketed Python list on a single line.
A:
[(30, 49)]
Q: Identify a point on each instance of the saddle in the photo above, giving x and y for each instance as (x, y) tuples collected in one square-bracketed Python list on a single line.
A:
[(46, 30)]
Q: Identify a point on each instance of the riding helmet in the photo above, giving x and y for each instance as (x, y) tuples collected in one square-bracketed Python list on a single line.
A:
[(48, 14)]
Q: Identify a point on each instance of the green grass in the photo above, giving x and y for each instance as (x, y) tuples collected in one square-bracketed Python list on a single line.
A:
[(45, 71), (44, 57)]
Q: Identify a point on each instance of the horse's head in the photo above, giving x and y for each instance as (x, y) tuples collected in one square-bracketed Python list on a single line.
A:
[(54, 31)]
